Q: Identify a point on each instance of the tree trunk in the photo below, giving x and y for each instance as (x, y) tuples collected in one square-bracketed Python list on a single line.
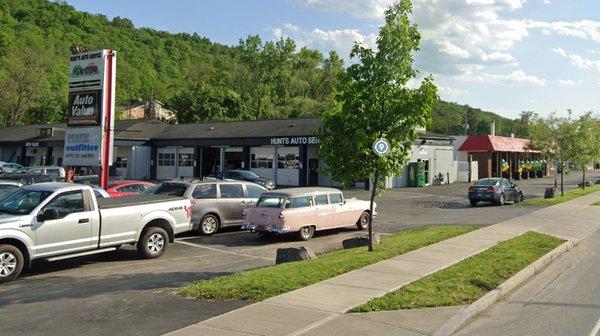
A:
[(583, 178), (373, 194), (562, 181)]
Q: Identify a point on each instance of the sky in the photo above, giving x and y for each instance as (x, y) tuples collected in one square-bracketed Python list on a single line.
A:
[(504, 56)]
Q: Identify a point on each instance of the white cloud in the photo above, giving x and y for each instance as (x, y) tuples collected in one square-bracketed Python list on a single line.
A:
[(360, 9), (447, 92), (453, 50), (569, 82), (460, 34), (461, 40), (340, 40), (515, 77), (586, 29), (578, 60)]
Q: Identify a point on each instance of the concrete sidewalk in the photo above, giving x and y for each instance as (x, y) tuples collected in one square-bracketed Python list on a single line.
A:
[(320, 309)]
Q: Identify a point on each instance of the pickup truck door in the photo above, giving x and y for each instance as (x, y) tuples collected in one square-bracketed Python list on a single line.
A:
[(71, 231)]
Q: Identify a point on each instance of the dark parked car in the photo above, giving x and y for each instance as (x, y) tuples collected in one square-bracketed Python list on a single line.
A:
[(246, 175), (495, 190), (26, 179)]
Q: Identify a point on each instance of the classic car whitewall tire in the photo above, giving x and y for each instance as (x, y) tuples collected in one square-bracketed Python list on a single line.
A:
[(306, 232), (363, 221)]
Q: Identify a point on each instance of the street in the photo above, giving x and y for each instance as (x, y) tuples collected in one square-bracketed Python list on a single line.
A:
[(116, 293), (562, 300)]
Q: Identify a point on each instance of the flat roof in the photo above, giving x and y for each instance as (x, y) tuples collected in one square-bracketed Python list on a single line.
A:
[(147, 130), (124, 130), (242, 129)]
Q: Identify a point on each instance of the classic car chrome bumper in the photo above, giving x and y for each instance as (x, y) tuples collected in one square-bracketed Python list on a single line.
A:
[(269, 228)]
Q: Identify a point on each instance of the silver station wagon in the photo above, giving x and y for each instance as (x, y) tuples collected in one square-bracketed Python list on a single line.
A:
[(215, 203), (306, 210)]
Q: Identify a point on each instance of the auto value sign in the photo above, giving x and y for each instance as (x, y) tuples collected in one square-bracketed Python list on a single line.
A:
[(83, 146), (85, 108), (91, 106)]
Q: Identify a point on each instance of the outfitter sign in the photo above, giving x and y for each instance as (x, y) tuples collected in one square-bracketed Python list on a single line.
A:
[(84, 108)]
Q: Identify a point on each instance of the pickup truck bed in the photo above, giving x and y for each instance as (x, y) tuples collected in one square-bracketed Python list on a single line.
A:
[(69, 221), (109, 203)]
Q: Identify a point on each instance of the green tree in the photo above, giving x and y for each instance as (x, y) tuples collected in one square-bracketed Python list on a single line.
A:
[(373, 101), (555, 137), (585, 147), (21, 83), (203, 102)]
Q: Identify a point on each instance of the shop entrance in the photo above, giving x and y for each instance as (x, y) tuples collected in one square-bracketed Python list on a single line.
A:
[(234, 157), (211, 157), (313, 172)]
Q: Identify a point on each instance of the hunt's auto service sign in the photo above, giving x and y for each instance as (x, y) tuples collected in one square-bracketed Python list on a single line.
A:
[(89, 138)]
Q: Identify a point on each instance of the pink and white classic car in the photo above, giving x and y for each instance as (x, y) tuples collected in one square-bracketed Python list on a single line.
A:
[(305, 210)]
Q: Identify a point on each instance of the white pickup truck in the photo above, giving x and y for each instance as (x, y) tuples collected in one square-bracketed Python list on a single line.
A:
[(62, 220)]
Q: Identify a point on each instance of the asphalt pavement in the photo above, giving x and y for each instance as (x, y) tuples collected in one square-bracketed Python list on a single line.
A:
[(118, 294), (564, 299)]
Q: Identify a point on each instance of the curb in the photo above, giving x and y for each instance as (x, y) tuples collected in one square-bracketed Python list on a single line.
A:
[(459, 320)]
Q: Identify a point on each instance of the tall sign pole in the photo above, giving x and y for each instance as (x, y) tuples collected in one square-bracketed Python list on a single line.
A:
[(89, 137), (108, 131)]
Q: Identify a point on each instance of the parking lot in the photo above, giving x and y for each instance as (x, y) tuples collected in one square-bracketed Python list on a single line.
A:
[(118, 294)]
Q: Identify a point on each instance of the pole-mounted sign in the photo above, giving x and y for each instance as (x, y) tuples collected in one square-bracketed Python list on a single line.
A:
[(89, 138), (381, 147)]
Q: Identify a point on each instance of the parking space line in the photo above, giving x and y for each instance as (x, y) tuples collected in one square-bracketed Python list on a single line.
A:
[(596, 330), (222, 251)]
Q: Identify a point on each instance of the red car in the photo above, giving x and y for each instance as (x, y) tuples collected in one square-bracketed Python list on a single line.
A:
[(127, 188)]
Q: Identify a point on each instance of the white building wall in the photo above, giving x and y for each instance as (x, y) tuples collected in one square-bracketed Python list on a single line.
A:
[(441, 159), (139, 163), (57, 154)]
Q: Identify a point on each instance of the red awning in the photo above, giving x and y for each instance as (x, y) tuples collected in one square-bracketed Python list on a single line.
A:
[(494, 143)]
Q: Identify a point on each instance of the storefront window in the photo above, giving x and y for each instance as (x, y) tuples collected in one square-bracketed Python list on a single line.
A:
[(261, 161), (288, 161), (166, 159), (186, 160), (121, 162)]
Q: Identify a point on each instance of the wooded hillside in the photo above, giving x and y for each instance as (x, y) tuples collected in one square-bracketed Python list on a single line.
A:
[(196, 77)]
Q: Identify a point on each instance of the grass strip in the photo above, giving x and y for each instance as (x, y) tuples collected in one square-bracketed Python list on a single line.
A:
[(262, 283), (470, 279), (569, 195)]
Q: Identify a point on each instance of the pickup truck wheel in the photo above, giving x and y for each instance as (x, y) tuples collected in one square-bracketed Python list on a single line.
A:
[(306, 232), (208, 225), (11, 263), (363, 221), (153, 243)]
